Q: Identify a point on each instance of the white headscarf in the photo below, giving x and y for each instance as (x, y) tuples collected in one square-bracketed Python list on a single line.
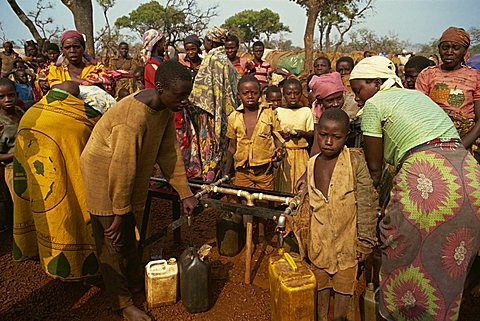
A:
[(377, 67)]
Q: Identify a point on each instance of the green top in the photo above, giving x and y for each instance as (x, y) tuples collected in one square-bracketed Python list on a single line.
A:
[(405, 119)]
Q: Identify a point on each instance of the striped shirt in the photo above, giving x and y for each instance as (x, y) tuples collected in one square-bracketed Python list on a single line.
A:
[(262, 71)]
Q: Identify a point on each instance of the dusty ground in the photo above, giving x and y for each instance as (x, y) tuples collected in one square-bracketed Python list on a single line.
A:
[(26, 293)]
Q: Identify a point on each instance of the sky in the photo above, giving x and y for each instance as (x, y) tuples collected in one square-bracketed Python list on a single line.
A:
[(415, 21)]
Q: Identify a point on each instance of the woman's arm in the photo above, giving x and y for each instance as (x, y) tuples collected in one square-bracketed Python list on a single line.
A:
[(374, 155), (474, 133)]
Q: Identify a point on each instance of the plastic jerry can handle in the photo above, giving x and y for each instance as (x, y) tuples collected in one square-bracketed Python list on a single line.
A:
[(291, 261), (156, 267)]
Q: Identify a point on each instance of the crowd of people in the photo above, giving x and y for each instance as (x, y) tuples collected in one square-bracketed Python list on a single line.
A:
[(79, 141)]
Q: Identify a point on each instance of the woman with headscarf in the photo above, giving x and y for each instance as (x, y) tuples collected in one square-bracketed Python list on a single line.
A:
[(430, 231), (153, 54), (191, 58), (455, 87), (73, 64), (214, 97)]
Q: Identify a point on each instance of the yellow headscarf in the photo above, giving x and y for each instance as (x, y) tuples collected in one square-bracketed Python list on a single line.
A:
[(377, 67)]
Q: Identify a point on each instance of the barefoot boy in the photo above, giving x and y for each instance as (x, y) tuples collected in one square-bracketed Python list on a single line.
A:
[(342, 219), (116, 165), (253, 145)]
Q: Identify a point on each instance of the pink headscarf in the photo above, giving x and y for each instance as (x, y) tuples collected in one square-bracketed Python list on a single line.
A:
[(73, 34), (326, 84)]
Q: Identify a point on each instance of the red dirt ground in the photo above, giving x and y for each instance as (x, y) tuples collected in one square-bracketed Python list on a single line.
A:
[(26, 293)]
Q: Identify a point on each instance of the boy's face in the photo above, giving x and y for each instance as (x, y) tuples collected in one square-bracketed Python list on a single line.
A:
[(344, 68), (331, 137), (176, 95), (335, 100), (321, 67), (191, 50), (249, 94), (52, 55), (123, 50), (32, 51), (8, 97), (275, 98), (258, 52), (292, 94), (44, 85), (21, 77), (231, 49), (410, 77), (8, 47)]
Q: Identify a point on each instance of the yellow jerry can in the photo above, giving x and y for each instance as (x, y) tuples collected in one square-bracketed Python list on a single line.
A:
[(293, 288)]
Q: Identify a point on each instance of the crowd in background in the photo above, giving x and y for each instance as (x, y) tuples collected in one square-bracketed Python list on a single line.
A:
[(78, 143)]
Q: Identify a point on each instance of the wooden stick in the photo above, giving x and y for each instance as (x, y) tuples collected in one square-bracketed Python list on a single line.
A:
[(248, 248)]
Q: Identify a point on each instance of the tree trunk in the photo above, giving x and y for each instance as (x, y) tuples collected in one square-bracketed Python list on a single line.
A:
[(26, 21), (82, 11), (328, 44), (313, 10)]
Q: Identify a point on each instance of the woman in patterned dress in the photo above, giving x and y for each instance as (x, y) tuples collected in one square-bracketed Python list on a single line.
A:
[(430, 231)]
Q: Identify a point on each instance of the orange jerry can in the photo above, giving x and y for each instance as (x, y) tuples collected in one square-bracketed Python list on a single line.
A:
[(293, 288)]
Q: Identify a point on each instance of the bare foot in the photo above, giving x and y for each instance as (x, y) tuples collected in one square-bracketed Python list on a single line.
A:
[(132, 313)]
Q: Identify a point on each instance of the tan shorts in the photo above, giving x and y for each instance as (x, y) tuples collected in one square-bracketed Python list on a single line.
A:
[(343, 281)]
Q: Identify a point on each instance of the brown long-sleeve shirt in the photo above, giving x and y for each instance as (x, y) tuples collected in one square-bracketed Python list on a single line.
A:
[(119, 157)]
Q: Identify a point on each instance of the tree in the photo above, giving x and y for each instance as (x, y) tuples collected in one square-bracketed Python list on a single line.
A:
[(312, 10), (177, 19), (43, 23), (364, 39), (26, 20), (105, 38), (249, 25), (82, 11), (341, 16), (475, 36)]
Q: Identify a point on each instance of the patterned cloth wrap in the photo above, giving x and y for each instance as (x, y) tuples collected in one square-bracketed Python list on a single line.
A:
[(106, 77), (430, 233), (51, 219)]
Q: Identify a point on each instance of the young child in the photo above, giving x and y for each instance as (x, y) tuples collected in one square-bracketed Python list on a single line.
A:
[(273, 96), (263, 70), (53, 52), (10, 116), (337, 229), (138, 79), (253, 145), (24, 87), (297, 131), (241, 64), (125, 144), (413, 67)]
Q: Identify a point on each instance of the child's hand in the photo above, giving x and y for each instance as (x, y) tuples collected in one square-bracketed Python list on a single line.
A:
[(278, 154), (361, 256)]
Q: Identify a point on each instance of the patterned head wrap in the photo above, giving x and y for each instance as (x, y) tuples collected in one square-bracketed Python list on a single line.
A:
[(73, 34), (150, 39), (217, 34), (456, 35), (377, 67), (105, 77), (326, 84)]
